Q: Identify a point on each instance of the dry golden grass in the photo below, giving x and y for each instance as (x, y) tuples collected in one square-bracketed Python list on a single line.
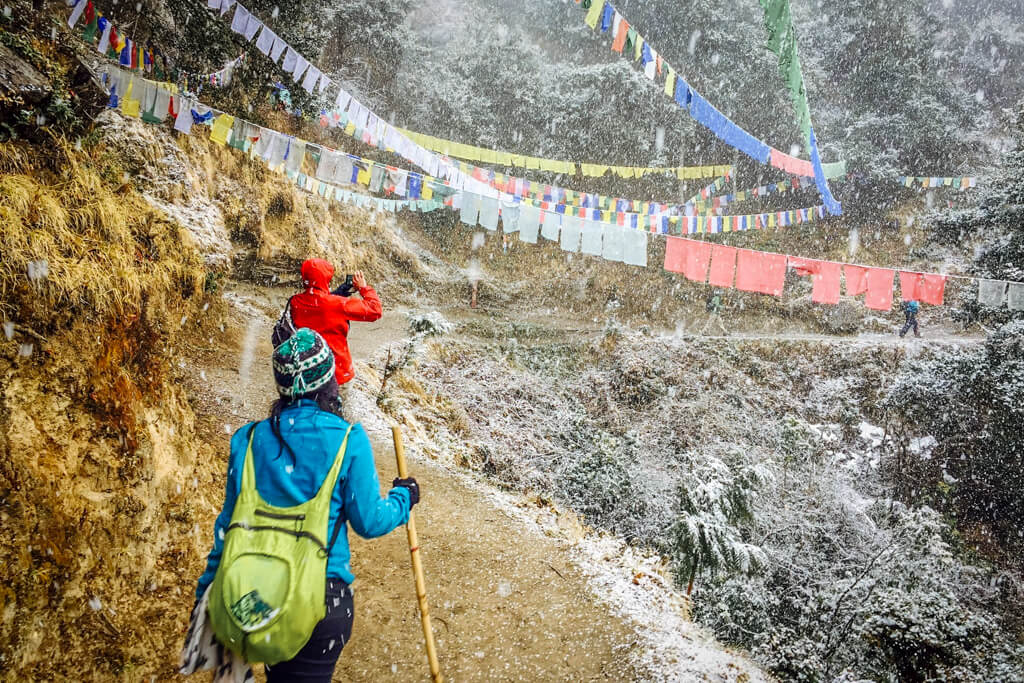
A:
[(105, 249)]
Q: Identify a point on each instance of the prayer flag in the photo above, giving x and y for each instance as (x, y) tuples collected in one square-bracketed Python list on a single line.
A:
[(931, 289), (620, 36), (221, 127), (723, 265), (879, 288), (76, 12), (596, 10), (909, 282), (635, 251), (606, 18), (856, 279)]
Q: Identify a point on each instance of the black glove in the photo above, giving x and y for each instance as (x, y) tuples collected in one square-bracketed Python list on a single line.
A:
[(410, 485)]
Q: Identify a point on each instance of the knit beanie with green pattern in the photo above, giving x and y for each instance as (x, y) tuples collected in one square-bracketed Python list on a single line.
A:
[(302, 364)]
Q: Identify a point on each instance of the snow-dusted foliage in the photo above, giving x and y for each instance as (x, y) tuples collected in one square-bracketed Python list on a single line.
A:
[(972, 403), (755, 469)]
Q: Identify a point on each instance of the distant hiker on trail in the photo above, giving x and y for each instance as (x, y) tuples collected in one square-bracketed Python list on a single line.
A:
[(277, 583), (330, 313), (910, 310), (714, 309)]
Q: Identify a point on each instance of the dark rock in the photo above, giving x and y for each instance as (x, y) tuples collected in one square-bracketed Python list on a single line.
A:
[(20, 80)]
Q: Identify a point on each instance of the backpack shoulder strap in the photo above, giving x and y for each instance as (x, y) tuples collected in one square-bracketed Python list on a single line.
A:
[(338, 524)]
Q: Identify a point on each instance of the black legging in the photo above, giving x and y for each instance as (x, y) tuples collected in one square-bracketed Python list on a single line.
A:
[(911, 322), (315, 662)]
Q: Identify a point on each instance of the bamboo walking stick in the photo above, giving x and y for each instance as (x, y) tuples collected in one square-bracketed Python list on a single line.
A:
[(417, 567)]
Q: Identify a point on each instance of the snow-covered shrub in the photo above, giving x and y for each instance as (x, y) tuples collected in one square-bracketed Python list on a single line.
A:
[(972, 403), (430, 323), (599, 486), (714, 507)]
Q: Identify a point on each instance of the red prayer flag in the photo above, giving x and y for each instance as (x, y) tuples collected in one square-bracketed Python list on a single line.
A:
[(698, 257), (761, 272), (675, 254), (723, 265), (826, 283), (879, 284), (931, 289), (748, 270), (773, 274), (804, 266), (909, 282), (856, 279)]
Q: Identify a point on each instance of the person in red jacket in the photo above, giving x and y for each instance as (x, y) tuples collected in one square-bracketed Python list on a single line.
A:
[(330, 314)]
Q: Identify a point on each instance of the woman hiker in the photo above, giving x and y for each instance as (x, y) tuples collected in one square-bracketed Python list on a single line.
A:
[(294, 453), (330, 313)]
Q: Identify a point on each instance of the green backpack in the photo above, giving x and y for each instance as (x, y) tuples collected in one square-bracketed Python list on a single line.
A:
[(268, 593)]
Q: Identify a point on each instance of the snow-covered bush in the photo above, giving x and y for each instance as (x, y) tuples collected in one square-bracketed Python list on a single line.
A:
[(430, 323), (972, 403)]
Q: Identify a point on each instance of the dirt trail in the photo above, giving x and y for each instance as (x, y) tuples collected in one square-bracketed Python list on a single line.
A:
[(508, 602)]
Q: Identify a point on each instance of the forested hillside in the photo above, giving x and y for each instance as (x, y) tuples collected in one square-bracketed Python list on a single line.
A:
[(800, 495)]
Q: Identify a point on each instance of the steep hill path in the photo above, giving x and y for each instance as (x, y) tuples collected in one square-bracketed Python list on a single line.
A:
[(512, 599)]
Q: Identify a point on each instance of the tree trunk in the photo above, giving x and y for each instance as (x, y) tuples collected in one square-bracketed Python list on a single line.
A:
[(693, 574)]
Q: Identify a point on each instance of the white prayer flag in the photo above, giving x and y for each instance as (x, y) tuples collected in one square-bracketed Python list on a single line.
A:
[(252, 27), (489, 213), (529, 217), (183, 121), (265, 41), (635, 252), (241, 19), (105, 39), (591, 238), (291, 58), (509, 216), (614, 245), (341, 102), (572, 228), (76, 13), (1015, 296), (312, 76), (213, 4), (324, 82), (225, 5), (277, 49), (300, 68), (551, 225), (651, 66), (991, 293)]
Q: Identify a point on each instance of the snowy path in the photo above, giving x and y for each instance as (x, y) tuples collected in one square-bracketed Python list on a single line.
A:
[(519, 590)]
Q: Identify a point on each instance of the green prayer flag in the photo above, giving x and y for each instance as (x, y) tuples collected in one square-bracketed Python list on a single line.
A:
[(778, 22), (631, 36), (89, 34)]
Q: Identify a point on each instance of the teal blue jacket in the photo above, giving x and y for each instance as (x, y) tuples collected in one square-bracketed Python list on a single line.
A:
[(315, 436)]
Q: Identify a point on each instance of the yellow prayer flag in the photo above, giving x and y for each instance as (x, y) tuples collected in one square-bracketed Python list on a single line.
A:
[(670, 82), (771, 220), (947, 181), (350, 128), (130, 108), (596, 8), (639, 48), (363, 177), (533, 163), (221, 127), (427, 191)]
